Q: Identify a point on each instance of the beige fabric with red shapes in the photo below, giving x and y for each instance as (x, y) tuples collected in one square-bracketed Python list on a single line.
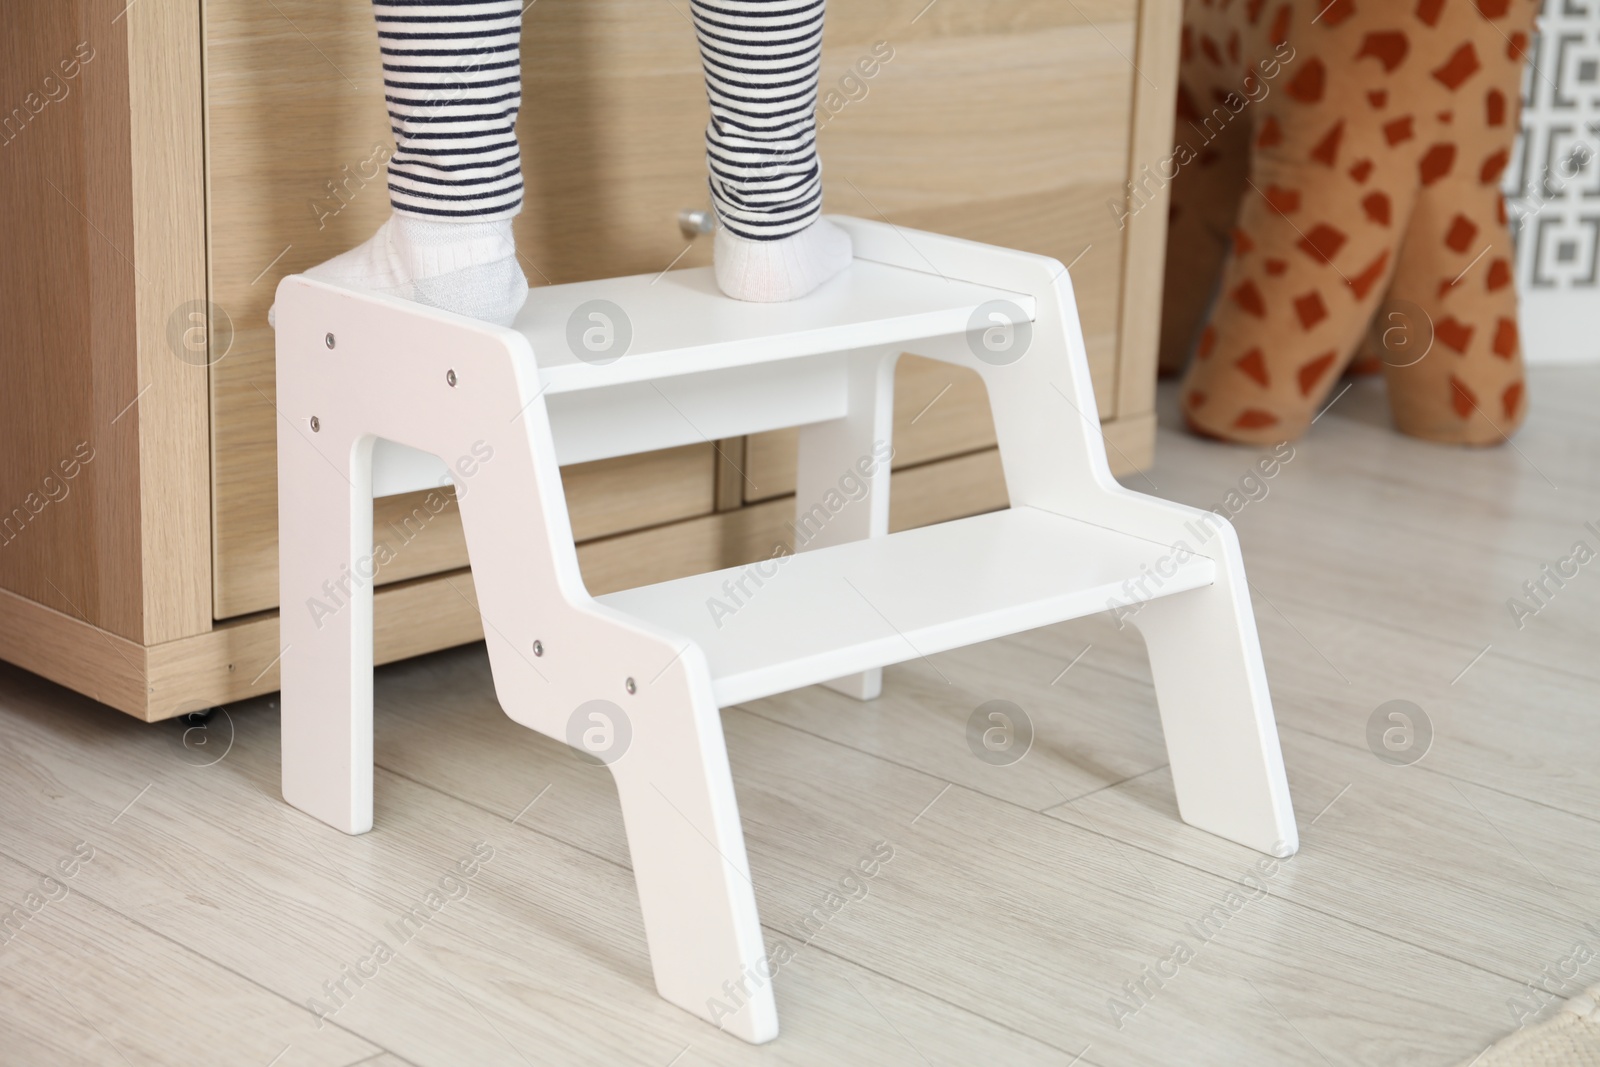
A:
[(1341, 157)]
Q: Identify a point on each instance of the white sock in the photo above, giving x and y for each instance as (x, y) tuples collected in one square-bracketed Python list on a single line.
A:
[(785, 269), (469, 268)]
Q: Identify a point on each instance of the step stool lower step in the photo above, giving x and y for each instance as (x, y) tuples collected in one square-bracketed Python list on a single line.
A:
[(796, 620)]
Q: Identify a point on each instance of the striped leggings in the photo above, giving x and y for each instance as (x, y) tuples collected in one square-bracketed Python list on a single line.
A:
[(453, 85)]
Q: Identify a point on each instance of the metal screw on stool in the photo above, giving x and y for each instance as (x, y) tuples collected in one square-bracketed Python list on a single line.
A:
[(316, 424), (328, 340), (450, 378), (538, 648), (629, 686)]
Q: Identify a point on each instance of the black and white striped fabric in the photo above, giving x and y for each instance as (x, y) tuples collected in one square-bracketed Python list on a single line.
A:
[(453, 84), (762, 61), (452, 78)]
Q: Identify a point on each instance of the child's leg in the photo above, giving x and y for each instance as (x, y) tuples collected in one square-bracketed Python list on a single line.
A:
[(452, 79), (762, 63)]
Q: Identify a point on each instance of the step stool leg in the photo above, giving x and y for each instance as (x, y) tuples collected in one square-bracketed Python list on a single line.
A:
[(689, 861), (1216, 713), (325, 621), (848, 460)]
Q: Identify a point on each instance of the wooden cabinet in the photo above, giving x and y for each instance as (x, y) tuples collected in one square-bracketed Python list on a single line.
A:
[(158, 194)]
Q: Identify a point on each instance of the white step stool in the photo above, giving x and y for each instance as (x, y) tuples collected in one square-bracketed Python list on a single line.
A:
[(379, 391)]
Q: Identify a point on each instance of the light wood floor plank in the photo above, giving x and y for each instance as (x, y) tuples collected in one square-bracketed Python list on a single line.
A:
[(81, 983), (1482, 877)]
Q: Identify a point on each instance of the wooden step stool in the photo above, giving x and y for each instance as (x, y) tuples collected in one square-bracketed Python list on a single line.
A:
[(379, 391)]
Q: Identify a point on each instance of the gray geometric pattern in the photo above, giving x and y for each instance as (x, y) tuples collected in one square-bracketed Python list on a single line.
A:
[(1553, 185)]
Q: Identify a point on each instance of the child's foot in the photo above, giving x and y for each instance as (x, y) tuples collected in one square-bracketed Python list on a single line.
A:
[(468, 268), (785, 269)]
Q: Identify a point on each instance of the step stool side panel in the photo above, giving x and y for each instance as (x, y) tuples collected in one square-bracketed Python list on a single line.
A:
[(469, 393), (1205, 655), (649, 688)]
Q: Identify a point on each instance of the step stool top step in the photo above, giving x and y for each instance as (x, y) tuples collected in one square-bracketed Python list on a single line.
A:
[(678, 322), (823, 614)]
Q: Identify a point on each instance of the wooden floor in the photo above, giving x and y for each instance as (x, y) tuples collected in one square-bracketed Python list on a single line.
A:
[(1019, 901)]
